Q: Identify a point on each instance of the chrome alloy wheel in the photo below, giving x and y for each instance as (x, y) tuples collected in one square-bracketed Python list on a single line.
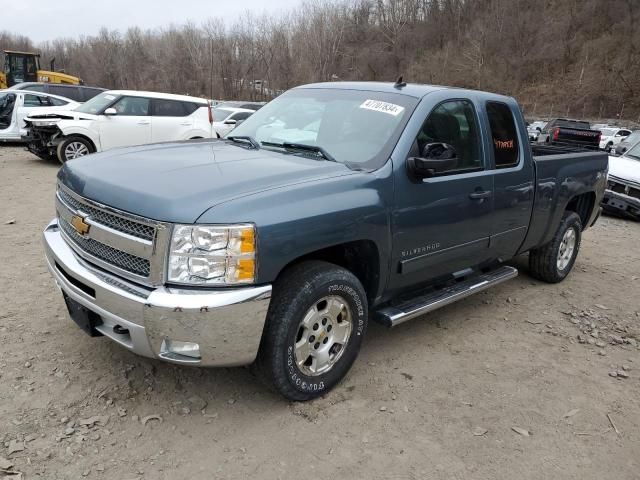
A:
[(75, 150), (567, 246), (323, 335)]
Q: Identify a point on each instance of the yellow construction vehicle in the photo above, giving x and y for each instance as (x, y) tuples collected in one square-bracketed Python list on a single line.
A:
[(25, 67)]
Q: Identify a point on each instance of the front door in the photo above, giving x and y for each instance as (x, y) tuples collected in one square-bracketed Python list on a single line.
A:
[(130, 126), (441, 224)]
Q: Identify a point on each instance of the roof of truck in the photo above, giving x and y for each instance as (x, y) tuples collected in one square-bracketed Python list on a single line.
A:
[(416, 90)]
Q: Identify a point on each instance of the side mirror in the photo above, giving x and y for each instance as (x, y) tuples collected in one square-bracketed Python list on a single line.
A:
[(436, 158), (110, 111), (230, 122)]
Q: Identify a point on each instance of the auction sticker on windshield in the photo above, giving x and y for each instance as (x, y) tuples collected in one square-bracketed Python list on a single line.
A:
[(384, 107)]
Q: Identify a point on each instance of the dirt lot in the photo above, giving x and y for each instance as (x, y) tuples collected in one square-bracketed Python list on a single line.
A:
[(451, 396)]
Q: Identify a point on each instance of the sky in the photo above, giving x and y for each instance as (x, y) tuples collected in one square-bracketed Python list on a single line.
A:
[(43, 20)]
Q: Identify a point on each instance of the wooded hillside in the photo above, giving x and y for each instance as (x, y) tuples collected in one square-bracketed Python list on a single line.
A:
[(579, 58)]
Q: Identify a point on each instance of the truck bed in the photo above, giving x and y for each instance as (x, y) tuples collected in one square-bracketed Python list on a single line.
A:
[(563, 173)]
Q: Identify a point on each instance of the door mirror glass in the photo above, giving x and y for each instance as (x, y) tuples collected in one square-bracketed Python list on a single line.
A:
[(110, 111)]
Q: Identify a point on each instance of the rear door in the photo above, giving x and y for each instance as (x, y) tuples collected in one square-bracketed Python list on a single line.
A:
[(513, 178), (170, 120), (441, 224), (130, 126)]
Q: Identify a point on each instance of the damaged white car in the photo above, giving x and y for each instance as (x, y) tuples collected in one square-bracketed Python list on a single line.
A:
[(622, 197), (16, 105), (118, 118)]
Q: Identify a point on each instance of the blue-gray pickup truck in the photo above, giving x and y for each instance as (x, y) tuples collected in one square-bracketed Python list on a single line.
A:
[(334, 204)]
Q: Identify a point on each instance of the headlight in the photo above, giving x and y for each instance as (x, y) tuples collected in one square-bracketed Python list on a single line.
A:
[(212, 255)]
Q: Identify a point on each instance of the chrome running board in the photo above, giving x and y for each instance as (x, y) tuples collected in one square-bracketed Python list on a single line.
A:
[(396, 314)]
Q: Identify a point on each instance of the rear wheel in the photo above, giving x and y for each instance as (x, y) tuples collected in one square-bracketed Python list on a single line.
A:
[(553, 262), (74, 147), (315, 326)]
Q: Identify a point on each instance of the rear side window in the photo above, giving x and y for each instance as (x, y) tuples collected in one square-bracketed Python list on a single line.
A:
[(241, 116), (191, 107), (57, 102), (35, 101), (168, 108), (503, 134)]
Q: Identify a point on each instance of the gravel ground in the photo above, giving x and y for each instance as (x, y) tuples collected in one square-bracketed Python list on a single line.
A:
[(527, 380)]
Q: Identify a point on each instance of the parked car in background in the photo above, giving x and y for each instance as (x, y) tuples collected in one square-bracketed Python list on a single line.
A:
[(226, 118), (612, 136), (77, 93), (576, 133), (402, 199), (16, 105), (627, 142), (118, 118), (622, 197), (534, 129), (240, 104)]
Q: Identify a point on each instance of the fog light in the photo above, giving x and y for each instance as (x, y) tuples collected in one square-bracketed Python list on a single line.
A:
[(176, 347)]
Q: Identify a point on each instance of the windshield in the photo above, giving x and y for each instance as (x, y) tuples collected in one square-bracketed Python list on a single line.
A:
[(634, 152), (607, 132), (633, 138), (97, 104), (220, 114), (357, 128)]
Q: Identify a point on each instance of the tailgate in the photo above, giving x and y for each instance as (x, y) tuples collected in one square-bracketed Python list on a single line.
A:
[(577, 135)]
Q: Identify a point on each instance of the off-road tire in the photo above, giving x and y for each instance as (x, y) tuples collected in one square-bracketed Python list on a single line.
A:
[(62, 146), (295, 292), (543, 261)]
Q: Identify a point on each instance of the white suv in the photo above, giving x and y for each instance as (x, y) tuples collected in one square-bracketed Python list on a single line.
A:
[(118, 118), (612, 136)]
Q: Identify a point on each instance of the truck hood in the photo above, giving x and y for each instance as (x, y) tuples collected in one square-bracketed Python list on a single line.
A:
[(177, 182), (625, 168)]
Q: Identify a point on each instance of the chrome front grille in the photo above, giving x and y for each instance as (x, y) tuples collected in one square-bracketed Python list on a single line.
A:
[(116, 222), (127, 245), (130, 263)]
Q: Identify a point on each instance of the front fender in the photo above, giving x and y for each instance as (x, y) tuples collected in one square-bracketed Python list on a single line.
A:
[(296, 220), (70, 127)]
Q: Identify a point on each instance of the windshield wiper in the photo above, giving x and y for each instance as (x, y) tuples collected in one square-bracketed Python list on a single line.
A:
[(244, 139), (301, 146)]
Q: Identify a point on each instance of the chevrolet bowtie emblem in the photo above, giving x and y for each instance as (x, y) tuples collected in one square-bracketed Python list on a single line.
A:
[(80, 225)]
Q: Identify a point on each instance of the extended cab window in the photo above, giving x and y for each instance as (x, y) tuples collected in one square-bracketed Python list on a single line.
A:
[(452, 127), (132, 106), (503, 134)]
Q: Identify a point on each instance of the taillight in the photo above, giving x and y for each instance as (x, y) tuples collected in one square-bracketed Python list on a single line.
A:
[(599, 137), (210, 113), (556, 133)]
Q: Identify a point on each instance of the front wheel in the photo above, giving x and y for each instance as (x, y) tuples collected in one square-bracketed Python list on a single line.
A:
[(553, 262), (74, 147), (316, 322)]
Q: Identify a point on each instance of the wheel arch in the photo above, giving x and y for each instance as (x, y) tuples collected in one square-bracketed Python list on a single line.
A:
[(582, 204), (360, 257)]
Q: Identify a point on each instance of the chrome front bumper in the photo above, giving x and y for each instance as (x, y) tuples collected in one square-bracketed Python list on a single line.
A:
[(227, 324)]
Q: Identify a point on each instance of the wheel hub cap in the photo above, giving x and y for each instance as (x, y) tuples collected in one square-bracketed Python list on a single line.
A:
[(567, 247), (75, 150), (323, 335)]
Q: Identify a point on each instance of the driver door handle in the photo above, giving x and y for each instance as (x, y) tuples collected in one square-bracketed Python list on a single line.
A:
[(144, 122), (479, 195)]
